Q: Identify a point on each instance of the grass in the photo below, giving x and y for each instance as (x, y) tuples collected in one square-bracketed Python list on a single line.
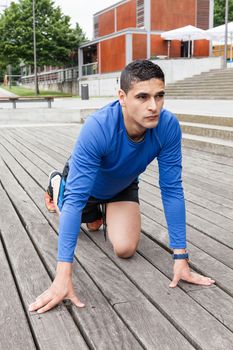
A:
[(22, 91)]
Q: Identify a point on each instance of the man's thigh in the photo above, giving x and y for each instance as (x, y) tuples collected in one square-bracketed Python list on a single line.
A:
[(124, 227)]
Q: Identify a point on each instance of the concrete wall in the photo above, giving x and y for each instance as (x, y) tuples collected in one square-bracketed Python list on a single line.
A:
[(102, 85), (174, 69), (179, 69), (70, 87)]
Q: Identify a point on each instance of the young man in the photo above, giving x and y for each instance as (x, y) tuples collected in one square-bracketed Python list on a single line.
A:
[(114, 147)]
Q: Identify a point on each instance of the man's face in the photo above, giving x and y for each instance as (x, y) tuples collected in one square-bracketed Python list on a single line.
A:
[(142, 104)]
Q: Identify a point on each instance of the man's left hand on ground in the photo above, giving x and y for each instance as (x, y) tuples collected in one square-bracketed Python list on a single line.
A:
[(182, 272)]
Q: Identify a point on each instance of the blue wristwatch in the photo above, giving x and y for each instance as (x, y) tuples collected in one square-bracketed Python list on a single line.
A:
[(184, 256)]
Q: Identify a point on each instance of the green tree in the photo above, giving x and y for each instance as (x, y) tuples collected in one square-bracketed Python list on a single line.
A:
[(219, 12), (54, 36)]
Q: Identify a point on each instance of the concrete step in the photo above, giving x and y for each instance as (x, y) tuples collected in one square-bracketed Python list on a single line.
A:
[(215, 84), (204, 77), (200, 83), (190, 97), (200, 90), (207, 144), (200, 95), (206, 119), (213, 131)]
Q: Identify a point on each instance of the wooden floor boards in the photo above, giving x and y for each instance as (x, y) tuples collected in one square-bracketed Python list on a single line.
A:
[(128, 302)]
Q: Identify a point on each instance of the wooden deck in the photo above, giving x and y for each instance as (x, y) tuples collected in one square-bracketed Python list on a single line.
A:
[(128, 302)]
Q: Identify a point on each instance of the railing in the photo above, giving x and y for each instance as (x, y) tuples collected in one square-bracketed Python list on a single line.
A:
[(90, 68), (55, 76)]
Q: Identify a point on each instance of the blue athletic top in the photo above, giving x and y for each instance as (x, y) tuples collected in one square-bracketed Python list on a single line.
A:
[(105, 161)]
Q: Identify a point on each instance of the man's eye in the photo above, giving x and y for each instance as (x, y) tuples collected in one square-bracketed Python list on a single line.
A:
[(142, 97), (159, 96)]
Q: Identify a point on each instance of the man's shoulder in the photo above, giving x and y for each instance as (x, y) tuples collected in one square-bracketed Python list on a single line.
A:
[(108, 113), (168, 127), (167, 117)]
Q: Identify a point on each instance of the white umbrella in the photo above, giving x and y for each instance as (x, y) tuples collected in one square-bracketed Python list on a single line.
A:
[(186, 33), (218, 34)]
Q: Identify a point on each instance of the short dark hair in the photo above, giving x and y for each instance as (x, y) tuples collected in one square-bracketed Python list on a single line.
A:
[(139, 70)]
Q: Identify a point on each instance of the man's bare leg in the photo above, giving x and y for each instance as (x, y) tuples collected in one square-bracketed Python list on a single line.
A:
[(55, 182), (124, 227)]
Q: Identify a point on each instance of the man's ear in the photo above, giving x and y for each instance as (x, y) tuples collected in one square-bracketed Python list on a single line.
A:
[(122, 96)]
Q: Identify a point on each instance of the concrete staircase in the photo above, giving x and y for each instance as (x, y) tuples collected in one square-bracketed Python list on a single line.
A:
[(208, 133), (215, 84)]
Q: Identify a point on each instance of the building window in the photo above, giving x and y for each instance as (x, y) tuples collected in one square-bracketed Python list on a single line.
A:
[(96, 27), (140, 13)]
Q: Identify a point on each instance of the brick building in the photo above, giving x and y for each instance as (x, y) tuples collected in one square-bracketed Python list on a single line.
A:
[(131, 30)]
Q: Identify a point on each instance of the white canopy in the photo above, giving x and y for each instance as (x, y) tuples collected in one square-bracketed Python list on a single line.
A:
[(186, 33), (218, 33)]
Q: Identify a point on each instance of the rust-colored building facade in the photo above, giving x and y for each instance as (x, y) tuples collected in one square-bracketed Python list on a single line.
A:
[(131, 29)]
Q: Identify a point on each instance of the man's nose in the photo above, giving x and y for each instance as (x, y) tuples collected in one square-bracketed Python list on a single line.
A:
[(152, 104)]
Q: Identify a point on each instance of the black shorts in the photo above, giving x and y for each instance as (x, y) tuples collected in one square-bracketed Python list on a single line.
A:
[(96, 208)]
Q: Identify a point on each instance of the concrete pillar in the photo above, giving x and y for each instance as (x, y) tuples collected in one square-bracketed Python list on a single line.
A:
[(99, 57), (128, 48), (80, 63), (147, 25), (115, 19), (211, 22)]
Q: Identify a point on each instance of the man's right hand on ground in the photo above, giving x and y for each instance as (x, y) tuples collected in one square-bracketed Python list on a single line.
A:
[(61, 288)]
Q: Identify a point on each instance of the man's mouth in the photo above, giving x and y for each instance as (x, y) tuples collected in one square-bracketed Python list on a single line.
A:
[(153, 116)]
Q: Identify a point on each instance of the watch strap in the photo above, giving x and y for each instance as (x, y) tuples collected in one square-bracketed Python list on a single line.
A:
[(184, 256)]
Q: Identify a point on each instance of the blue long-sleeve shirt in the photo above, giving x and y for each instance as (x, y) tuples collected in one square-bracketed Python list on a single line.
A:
[(105, 161)]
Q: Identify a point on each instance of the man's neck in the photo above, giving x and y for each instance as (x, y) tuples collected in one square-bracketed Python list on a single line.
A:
[(135, 132), (136, 138)]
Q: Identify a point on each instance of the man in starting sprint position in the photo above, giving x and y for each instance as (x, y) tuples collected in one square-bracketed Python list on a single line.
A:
[(114, 147)]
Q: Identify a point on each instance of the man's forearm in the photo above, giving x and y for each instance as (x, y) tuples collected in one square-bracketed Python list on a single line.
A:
[(179, 251), (64, 268)]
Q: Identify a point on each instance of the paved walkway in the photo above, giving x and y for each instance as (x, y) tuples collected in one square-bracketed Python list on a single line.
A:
[(195, 107), (200, 107), (128, 302), (5, 93)]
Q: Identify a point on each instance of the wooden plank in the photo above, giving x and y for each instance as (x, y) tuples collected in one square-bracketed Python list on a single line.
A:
[(220, 169), (41, 154), (198, 195), (31, 168), (188, 316), (205, 155), (43, 143), (54, 135), (203, 166), (52, 330), (200, 260), (151, 194), (210, 250), (190, 291), (99, 322), (152, 328), (205, 182), (222, 235), (14, 328), (52, 142), (33, 157), (213, 299), (31, 139)]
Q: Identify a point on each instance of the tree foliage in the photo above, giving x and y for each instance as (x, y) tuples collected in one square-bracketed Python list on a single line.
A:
[(219, 12), (55, 38)]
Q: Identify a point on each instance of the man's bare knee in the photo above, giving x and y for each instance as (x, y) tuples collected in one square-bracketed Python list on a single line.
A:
[(125, 253)]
